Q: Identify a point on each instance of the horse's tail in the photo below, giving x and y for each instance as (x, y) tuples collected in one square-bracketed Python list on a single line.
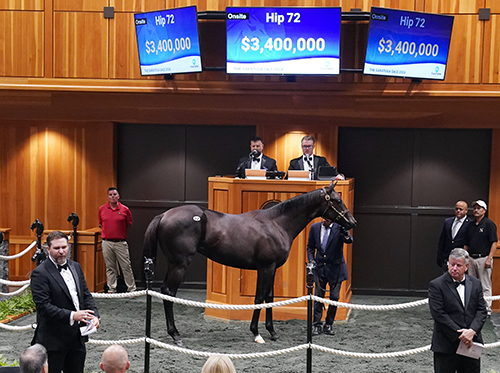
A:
[(151, 238)]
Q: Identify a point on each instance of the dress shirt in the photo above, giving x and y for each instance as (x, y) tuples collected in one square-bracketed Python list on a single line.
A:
[(325, 233), (461, 291), (70, 283), (256, 164)]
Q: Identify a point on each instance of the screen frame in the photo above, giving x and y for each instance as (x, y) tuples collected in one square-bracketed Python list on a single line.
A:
[(413, 77), (169, 75)]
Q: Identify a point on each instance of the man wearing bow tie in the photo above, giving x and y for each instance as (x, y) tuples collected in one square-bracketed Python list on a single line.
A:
[(63, 304), (458, 308), (256, 160), (309, 161)]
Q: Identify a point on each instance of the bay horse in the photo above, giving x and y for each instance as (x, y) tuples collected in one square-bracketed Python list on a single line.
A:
[(259, 240)]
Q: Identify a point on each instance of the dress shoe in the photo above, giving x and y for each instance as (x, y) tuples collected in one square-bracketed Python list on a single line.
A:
[(317, 330), (327, 329)]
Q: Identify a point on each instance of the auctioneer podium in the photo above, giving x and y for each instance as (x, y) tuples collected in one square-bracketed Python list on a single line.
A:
[(227, 285)]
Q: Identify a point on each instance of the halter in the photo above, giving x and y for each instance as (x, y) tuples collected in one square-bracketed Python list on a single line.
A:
[(340, 214)]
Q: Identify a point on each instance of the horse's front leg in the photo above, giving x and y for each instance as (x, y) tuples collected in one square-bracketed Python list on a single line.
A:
[(269, 311), (264, 280)]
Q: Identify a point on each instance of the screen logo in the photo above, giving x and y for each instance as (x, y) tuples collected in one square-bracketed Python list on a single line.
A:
[(238, 16), (140, 21), (379, 17)]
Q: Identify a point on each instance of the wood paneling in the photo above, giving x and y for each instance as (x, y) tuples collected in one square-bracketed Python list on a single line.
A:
[(494, 5), (52, 169), (466, 47), (21, 4), (139, 6), (21, 42), (123, 54), (80, 5), (453, 6), (366, 5), (80, 45), (491, 58)]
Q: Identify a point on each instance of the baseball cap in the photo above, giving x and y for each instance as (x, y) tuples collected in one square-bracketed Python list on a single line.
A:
[(480, 203)]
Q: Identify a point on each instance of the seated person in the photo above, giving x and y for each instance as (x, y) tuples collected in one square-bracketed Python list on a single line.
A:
[(310, 162), (256, 160)]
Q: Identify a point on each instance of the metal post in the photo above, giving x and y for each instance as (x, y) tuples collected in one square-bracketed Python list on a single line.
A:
[(75, 220), (149, 273), (310, 284)]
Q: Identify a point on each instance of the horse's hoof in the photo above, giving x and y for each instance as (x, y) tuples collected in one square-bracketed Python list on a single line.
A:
[(259, 339), (275, 337), (178, 342)]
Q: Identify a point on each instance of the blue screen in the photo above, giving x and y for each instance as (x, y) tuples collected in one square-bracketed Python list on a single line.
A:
[(168, 41), (408, 44), (283, 40)]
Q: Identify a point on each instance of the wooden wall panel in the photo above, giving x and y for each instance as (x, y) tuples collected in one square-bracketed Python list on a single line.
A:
[(139, 6), (465, 57), (52, 169), (494, 5), (80, 45), (453, 6), (80, 5), (21, 4), (123, 54), (282, 142), (366, 5), (22, 46), (491, 57)]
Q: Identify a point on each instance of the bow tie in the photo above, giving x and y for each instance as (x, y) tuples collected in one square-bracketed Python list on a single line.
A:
[(61, 267), (256, 159), (459, 283), (307, 159)]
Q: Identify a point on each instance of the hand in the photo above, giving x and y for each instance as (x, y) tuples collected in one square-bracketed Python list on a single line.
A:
[(487, 263), (466, 336), (85, 316)]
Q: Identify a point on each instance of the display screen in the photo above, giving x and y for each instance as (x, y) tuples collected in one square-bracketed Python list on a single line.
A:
[(168, 41), (291, 41), (408, 44)]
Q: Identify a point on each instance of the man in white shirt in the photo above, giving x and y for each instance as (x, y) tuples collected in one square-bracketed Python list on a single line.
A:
[(256, 160)]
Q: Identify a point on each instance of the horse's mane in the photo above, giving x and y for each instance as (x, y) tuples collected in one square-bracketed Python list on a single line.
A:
[(290, 204)]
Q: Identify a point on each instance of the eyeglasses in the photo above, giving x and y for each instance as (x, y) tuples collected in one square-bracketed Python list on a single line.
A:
[(307, 146)]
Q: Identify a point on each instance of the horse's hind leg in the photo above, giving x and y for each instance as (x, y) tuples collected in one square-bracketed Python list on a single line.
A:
[(170, 285), (265, 284), (269, 311)]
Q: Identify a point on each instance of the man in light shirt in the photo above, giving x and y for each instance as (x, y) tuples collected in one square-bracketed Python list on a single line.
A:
[(256, 160)]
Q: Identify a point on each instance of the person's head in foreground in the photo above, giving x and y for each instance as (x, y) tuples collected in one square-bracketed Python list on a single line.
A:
[(218, 364), (114, 360)]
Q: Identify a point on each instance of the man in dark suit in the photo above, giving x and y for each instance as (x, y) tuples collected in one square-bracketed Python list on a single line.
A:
[(256, 160), (63, 304), (459, 311), (325, 247), (309, 161), (452, 234)]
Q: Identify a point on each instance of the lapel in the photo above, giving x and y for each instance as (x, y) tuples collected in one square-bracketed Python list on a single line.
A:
[(453, 289), (263, 163), (75, 277), (468, 290), (54, 272), (463, 224)]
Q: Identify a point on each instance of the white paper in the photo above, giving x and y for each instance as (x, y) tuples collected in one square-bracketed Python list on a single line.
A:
[(88, 329), (473, 352)]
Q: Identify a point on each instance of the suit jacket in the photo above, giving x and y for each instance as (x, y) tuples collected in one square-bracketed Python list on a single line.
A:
[(330, 263), (446, 243), (450, 315), (298, 164), (54, 305), (244, 163)]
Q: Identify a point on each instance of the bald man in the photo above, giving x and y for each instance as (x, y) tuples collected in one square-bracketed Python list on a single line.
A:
[(115, 360)]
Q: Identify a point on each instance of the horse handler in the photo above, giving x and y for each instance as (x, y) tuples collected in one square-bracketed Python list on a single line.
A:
[(325, 248), (114, 219)]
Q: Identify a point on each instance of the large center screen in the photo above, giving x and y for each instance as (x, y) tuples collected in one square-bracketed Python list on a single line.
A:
[(168, 41), (408, 44), (283, 40)]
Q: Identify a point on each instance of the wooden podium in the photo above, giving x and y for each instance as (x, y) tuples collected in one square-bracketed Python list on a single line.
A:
[(228, 285)]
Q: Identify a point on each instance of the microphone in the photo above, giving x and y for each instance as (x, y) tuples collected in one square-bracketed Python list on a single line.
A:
[(254, 154)]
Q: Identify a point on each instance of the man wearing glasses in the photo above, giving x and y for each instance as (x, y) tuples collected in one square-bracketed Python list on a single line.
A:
[(309, 161)]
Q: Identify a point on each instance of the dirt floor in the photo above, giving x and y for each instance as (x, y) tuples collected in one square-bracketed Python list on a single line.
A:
[(365, 331)]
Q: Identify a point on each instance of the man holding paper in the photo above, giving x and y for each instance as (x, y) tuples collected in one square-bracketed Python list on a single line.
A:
[(459, 311), (64, 307)]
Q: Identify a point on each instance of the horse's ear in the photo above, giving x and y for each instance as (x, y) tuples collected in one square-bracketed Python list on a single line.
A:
[(332, 185)]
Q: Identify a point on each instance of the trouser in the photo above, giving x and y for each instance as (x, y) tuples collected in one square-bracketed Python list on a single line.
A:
[(69, 360), (477, 270), (116, 253), (318, 307), (453, 363)]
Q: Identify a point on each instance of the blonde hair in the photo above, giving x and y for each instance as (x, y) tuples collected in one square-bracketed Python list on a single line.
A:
[(218, 364)]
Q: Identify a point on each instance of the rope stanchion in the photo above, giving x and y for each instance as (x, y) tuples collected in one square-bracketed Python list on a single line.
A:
[(14, 283), (372, 355), (18, 255), (102, 342), (386, 307), (17, 328)]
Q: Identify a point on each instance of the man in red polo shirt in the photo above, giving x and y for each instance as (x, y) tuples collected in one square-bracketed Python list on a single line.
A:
[(114, 219)]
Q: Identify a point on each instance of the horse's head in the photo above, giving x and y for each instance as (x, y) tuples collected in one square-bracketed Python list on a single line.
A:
[(335, 209)]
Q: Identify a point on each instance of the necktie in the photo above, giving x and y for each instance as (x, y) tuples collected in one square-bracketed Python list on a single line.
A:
[(454, 229), (61, 267), (457, 283), (324, 240)]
